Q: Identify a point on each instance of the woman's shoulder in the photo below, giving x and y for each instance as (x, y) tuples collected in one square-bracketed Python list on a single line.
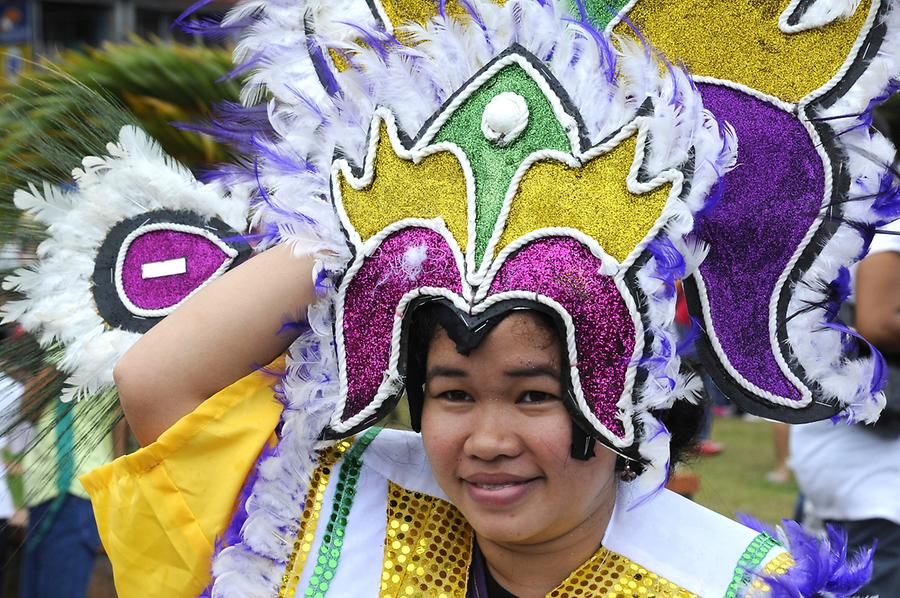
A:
[(399, 456), (691, 546)]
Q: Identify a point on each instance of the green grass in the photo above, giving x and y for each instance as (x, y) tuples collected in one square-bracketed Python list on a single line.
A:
[(734, 482)]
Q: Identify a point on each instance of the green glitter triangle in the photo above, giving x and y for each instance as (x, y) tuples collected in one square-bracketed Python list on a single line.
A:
[(599, 12), (493, 167)]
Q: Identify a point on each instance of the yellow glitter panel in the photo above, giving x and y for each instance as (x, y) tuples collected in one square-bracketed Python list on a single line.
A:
[(593, 199), (777, 566), (739, 40), (309, 519), (614, 576), (420, 11), (435, 187), (427, 548)]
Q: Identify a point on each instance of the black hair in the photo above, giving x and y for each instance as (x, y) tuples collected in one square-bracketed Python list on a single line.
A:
[(683, 420)]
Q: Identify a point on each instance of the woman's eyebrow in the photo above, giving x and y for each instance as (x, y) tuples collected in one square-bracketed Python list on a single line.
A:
[(549, 371), (441, 370)]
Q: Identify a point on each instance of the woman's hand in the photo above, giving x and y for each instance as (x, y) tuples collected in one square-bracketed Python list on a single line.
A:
[(217, 337)]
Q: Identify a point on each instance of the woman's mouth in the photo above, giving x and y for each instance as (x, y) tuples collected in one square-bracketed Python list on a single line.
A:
[(498, 491)]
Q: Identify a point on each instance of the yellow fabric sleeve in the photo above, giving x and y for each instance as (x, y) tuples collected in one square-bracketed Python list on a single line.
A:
[(160, 509)]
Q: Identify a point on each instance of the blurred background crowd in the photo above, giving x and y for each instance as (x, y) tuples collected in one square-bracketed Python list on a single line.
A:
[(128, 51)]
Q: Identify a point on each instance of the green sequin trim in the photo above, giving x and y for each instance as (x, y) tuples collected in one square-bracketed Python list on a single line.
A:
[(333, 540), (493, 167), (749, 563), (599, 12)]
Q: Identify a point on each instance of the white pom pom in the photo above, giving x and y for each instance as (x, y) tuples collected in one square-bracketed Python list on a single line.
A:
[(504, 118)]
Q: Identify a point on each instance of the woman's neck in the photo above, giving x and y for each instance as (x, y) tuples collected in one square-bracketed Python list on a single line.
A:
[(535, 570)]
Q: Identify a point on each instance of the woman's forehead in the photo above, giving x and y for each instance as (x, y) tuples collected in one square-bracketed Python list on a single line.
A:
[(521, 338)]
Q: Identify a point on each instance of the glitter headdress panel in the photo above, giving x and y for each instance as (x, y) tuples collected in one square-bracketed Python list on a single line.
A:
[(499, 198), (132, 239), (470, 170), (798, 82)]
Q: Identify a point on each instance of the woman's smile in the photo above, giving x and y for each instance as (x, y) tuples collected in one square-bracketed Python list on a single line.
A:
[(499, 490)]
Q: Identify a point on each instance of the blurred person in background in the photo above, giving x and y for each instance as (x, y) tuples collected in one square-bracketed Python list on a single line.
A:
[(851, 474), (11, 391), (62, 540)]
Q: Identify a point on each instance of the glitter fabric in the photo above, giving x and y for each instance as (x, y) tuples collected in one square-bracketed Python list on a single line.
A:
[(333, 541), (593, 199), (613, 575), (203, 259), (371, 303), (434, 187), (740, 41), (599, 12), (749, 563), (495, 166), (770, 201), (427, 549), (309, 520), (564, 270), (420, 11)]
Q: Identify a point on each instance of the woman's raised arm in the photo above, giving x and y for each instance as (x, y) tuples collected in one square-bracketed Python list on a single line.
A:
[(217, 337)]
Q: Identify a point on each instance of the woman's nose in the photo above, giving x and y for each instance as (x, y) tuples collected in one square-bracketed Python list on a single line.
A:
[(492, 433)]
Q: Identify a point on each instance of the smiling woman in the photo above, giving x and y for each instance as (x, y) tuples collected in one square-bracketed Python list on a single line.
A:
[(498, 439)]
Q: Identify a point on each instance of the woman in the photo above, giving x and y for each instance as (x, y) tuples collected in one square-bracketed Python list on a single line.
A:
[(487, 214)]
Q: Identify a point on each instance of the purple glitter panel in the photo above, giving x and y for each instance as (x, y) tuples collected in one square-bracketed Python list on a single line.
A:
[(203, 258), (406, 260), (566, 271), (771, 199)]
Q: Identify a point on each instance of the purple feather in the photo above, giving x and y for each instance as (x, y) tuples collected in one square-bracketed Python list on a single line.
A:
[(599, 39), (892, 87), (267, 199), (670, 264), (376, 40), (837, 291), (821, 564), (242, 68), (887, 199), (293, 326), (879, 371), (323, 282), (270, 235), (756, 525), (686, 342), (190, 11), (476, 17), (326, 76), (278, 160)]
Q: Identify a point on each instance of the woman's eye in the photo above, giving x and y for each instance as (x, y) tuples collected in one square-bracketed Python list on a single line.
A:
[(535, 396), (456, 396)]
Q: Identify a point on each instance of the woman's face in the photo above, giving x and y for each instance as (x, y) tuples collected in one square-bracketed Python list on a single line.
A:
[(498, 436)]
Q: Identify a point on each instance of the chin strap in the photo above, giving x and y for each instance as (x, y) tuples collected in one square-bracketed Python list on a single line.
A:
[(583, 444)]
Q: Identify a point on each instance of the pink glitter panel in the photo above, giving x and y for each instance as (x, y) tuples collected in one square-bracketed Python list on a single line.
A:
[(203, 259), (372, 299), (564, 270)]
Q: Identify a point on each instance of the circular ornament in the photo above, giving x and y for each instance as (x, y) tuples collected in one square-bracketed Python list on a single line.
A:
[(504, 118)]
